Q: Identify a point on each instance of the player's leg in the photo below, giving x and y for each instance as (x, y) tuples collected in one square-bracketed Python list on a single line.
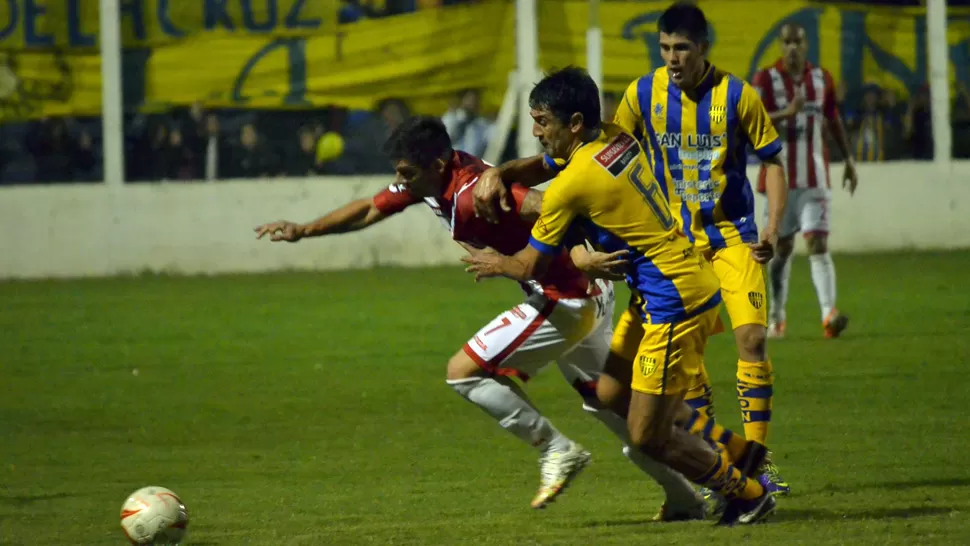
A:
[(669, 355), (815, 219), (779, 272), (743, 290), (519, 342), (779, 268), (583, 368)]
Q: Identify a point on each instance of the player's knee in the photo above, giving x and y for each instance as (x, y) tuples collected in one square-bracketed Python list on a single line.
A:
[(612, 394), (751, 341), (817, 243), (461, 366)]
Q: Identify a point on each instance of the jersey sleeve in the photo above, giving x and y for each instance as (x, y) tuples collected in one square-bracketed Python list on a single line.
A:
[(757, 125), (628, 114), (558, 212), (830, 103), (394, 199)]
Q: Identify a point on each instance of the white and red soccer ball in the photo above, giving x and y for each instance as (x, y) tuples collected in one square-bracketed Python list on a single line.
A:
[(154, 515)]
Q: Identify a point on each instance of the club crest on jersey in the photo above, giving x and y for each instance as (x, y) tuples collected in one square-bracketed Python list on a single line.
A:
[(757, 299), (718, 113), (618, 154), (658, 110)]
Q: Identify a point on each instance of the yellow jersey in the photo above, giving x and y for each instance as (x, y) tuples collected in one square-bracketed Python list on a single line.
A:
[(696, 143), (606, 189)]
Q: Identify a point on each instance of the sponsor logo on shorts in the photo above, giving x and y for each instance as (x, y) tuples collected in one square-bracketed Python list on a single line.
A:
[(757, 299), (647, 365)]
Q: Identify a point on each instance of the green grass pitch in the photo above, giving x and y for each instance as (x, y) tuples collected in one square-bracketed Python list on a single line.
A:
[(311, 409)]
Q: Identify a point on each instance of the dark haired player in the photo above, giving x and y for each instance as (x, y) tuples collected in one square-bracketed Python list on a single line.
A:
[(565, 317), (695, 122), (602, 182)]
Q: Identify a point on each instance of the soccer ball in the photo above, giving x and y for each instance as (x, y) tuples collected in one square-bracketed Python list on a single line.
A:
[(154, 515)]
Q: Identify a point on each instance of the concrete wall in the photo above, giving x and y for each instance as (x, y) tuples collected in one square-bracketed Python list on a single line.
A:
[(88, 230)]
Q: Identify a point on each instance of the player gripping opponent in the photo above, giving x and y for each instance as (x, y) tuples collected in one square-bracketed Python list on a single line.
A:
[(694, 122), (603, 184), (564, 317)]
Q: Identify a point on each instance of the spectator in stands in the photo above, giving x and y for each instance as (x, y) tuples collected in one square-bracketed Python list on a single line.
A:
[(180, 157), (58, 155), (213, 151), (918, 124), (303, 162), (365, 135), (252, 157), (468, 129), (875, 127)]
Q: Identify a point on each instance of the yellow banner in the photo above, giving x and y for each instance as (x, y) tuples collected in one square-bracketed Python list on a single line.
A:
[(280, 54), (72, 24), (423, 58)]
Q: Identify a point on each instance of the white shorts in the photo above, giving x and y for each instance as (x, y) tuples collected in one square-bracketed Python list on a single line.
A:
[(523, 340), (807, 211)]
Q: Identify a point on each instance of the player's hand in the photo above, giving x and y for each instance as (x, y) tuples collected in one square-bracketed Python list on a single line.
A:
[(604, 265), (797, 103), (488, 190), (850, 179), (764, 249), (484, 263), (280, 231)]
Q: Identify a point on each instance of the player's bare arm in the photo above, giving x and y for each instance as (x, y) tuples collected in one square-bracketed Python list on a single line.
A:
[(353, 216), (850, 179), (493, 185), (527, 264), (790, 111), (531, 206), (776, 189)]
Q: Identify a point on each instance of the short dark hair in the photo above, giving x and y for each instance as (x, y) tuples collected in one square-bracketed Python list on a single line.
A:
[(419, 140), (686, 19), (566, 92)]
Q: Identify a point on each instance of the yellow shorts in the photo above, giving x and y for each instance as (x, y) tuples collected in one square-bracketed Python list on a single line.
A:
[(743, 287), (670, 358)]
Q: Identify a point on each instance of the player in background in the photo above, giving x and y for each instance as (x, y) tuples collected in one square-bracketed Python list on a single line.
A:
[(695, 121), (800, 98), (564, 317), (603, 183)]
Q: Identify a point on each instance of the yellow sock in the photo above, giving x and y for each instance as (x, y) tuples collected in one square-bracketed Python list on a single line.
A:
[(727, 480), (754, 396), (707, 428)]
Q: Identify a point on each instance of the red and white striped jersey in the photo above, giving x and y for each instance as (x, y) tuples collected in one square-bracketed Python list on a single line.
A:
[(804, 152), (456, 210)]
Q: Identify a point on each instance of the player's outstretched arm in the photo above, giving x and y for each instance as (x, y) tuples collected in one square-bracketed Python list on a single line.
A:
[(491, 192), (353, 216), (527, 264)]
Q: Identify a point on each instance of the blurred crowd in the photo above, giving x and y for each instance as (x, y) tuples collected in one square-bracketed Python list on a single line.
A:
[(197, 144)]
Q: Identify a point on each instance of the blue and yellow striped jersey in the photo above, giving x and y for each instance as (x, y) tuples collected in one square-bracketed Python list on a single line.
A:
[(606, 189), (695, 142)]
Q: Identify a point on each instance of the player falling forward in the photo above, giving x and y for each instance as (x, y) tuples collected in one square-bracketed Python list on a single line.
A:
[(603, 184), (564, 317), (801, 100), (694, 122)]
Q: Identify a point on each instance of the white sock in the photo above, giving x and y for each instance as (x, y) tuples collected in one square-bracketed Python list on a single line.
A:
[(501, 398), (680, 493), (823, 276), (779, 271)]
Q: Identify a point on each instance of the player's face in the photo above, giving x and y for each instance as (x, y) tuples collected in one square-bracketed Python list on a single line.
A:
[(793, 44), (684, 59), (423, 182), (555, 136)]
